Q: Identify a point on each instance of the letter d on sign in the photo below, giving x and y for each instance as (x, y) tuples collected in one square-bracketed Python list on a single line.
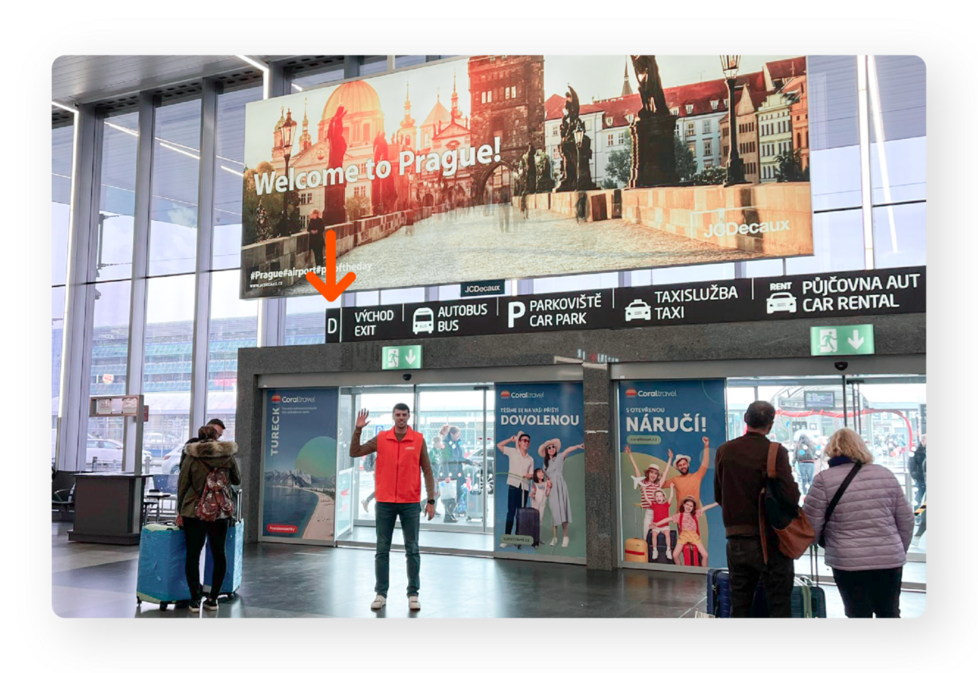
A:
[(331, 326), (517, 309)]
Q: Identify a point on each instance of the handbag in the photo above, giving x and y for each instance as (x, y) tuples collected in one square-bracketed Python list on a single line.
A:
[(835, 501), (792, 528)]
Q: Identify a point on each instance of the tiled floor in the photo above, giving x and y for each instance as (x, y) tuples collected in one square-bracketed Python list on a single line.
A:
[(293, 581)]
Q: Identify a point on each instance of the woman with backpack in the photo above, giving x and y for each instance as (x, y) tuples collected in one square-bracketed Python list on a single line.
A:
[(867, 534), (205, 508)]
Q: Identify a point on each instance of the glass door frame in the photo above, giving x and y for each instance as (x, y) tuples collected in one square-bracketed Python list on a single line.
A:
[(485, 389), (416, 411)]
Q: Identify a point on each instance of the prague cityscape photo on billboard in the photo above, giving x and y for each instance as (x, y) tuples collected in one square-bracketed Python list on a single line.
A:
[(528, 166)]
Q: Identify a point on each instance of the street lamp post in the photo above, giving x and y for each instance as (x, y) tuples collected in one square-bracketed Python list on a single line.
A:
[(288, 129), (578, 139), (735, 165)]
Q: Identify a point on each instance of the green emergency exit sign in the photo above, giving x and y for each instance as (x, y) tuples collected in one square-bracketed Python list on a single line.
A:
[(843, 340), (401, 357)]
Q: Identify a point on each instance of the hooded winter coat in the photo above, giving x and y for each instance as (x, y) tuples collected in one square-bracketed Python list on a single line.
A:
[(198, 460), (872, 524)]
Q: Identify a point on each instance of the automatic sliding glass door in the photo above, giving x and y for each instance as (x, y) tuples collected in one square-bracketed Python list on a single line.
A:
[(453, 420)]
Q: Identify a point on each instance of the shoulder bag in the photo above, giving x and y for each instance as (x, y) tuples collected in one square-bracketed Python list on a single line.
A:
[(794, 532)]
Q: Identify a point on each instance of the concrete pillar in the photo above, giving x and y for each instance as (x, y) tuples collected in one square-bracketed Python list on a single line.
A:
[(599, 468)]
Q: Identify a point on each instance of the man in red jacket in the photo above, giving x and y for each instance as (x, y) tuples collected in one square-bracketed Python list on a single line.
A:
[(402, 456)]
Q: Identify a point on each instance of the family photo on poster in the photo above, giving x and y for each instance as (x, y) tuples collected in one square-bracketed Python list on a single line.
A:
[(540, 469), (669, 434)]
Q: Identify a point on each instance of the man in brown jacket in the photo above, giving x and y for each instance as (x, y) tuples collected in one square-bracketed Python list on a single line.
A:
[(741, 465)]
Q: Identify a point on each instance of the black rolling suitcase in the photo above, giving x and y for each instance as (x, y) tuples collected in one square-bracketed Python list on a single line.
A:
[(528, 522), (659, 545)]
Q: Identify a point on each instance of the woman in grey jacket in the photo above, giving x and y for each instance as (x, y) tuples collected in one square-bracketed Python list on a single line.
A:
[(866, 539)]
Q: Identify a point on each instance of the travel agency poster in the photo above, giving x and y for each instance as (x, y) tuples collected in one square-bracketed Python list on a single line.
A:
[(299, 464), (668, 437), (539, 469)]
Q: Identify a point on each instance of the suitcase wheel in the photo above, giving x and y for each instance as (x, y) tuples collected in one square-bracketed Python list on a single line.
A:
[(139, 601), (232, 594), (164, 605)]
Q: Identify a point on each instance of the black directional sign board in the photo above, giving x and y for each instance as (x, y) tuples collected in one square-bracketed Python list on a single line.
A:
[(845, 294)]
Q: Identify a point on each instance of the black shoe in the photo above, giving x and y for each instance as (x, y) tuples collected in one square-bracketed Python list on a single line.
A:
[(195, 605), (210, 604)]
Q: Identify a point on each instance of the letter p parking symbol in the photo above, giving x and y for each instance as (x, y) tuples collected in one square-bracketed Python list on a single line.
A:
[(517, 309)]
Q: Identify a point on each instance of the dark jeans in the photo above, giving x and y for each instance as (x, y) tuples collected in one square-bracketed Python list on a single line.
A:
[(197, 532), (806, 471), (514, 501), (868, 592), (746, 563), (387, 514)]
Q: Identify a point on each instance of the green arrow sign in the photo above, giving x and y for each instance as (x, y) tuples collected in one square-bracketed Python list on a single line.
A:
[(401, 357), (843, 340)]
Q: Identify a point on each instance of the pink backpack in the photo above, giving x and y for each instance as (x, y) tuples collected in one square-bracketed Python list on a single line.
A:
[(215, 502)]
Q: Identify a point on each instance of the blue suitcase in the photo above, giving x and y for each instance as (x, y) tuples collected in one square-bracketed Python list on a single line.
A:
[(718, 595), (162, 560), (234, 545), (235, 552), (807, 599)]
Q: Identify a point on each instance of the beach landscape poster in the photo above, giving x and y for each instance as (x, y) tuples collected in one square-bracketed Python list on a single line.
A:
[(488, 167), (299, 462)]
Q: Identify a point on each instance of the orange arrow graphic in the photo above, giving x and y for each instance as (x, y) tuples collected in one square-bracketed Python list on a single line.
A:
[(330, 288)]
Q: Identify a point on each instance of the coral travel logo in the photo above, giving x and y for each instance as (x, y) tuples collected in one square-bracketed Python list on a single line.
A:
[(630, 392), (520, 396), (504, 394), (276, 398)]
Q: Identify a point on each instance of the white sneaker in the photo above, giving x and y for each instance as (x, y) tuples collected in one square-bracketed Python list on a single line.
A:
[(655, 554), (553, 542), (379, 602), (565, 542), (414, 603), (668, 554)]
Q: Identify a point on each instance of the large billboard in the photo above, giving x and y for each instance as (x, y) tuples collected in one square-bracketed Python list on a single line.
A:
[(526, 166)]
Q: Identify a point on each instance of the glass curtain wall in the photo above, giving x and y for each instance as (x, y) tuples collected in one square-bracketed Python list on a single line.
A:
[(62, 146)]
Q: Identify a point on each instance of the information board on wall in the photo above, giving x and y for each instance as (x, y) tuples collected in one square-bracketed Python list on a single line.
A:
[(849, 294), (483, 167)]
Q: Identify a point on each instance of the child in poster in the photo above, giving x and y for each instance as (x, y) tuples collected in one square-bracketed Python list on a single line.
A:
[(651, 484), (687, 519), (658, 510), (539, 491)]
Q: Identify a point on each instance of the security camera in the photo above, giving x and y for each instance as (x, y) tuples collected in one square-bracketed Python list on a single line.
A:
[(842, 366), (406, 377)]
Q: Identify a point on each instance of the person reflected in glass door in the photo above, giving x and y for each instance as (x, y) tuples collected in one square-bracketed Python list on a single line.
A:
[(455, 460)]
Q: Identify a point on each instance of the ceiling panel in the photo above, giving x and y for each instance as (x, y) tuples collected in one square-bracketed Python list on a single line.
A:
[(88, 79)]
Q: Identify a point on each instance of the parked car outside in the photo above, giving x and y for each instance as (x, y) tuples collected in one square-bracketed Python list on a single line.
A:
[(109, 452)]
